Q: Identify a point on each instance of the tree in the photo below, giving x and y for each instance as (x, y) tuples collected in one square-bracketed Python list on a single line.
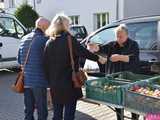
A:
[(26, 15)]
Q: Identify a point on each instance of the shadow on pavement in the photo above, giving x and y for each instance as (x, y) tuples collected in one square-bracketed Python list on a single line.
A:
[(82, 116)]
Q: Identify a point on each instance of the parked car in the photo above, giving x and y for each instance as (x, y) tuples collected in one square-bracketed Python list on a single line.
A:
[(78, 31), (11, 31), (144, 30)]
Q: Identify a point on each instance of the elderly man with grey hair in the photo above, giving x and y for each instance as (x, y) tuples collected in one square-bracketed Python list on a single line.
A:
[(35, 83), (122, 55)]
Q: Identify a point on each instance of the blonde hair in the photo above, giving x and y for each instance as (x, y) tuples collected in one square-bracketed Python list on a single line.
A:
[(58, 25)]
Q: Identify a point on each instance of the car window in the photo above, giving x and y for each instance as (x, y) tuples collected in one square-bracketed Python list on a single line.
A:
[(20, 30), (144, 33), (104, 36), (8, 25)]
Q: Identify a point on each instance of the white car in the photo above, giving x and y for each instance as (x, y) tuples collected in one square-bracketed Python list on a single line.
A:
[(11, 31)]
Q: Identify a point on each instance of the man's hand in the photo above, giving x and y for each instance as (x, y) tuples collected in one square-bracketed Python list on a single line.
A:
[(117, 57), (92, 47), (124, 58), (102, 60)]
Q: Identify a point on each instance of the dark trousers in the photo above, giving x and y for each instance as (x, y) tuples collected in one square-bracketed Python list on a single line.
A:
[(69, 110), (120, 114), (35, 97)]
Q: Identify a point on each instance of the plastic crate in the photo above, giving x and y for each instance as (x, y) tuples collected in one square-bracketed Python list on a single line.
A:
[(95, 89), (139, 102), (127, 76), (155, 80)]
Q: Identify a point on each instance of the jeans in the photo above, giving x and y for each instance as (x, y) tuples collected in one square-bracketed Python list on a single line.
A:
[(120, 114), (35, 97), (69, 110)]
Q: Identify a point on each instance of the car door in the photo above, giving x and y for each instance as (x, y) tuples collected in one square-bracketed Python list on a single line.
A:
[(10, 34), (102, 37)]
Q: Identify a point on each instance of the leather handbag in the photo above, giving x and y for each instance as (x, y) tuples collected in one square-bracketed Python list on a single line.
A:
[(80, 76), (18, 86)]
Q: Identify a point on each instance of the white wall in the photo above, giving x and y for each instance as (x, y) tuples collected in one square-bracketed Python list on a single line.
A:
[(17, 4), (120, 9), (6, 3), (141, 7), (84, 8)]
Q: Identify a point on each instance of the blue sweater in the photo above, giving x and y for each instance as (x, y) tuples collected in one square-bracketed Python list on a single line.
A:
[(33, 71)]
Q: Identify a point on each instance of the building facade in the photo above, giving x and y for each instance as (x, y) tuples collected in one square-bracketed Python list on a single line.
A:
[(91, 13)]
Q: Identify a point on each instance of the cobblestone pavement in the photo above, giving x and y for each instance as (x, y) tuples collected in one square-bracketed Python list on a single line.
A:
[(11, 104)]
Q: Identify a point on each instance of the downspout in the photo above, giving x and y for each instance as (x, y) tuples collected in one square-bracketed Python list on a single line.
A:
[(117, 9)]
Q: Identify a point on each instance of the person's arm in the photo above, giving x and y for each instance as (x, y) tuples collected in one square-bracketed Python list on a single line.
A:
[(93, 47), (22, 52), (104, 49), (83, 52), (132, 57)]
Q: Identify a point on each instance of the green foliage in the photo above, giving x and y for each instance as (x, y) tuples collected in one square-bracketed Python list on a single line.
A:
[(26, 15)]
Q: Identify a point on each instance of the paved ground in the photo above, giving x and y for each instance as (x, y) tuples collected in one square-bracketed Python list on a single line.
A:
[(11, 104)]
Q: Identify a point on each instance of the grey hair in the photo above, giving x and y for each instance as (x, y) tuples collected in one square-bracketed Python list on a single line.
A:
[(121, 27)]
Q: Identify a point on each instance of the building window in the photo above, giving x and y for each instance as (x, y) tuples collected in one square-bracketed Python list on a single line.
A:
[(11, 3), (39, 1), (1, 5), (75, 19), (100, 19)]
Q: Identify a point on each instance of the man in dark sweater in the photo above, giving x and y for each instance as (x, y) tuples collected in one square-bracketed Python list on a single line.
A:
[(35, 83), (122, 55)]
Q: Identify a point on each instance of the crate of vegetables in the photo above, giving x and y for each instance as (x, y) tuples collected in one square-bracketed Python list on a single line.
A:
[(105, 90), (143, 97)]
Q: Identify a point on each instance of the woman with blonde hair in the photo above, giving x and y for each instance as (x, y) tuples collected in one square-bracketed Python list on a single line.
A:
[(58, 68)]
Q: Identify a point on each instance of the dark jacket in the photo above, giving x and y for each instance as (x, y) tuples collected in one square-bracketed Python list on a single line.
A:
[(130, 48), (34, 72), (58, 69)]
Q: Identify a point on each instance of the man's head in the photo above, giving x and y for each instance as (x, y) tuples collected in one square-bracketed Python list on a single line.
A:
[(42, 23), (121, 34)]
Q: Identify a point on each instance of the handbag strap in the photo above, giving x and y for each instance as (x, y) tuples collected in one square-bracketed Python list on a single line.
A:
[(71, 51), (27, 55)]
